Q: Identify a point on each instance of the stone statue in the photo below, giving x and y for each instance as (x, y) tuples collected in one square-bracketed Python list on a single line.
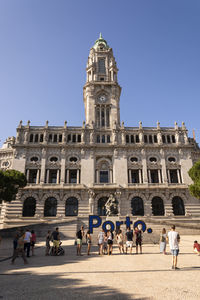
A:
[(91, 201), (92, 137), (111, 206)]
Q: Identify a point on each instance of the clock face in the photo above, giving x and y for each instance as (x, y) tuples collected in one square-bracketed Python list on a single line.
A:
[(102, 98)]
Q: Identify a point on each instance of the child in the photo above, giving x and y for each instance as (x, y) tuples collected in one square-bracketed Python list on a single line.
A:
[(196, 247)]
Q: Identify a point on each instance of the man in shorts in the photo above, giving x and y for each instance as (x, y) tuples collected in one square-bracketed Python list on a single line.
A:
[(79, 236), (174, 239), (56, 240), (129, 239)]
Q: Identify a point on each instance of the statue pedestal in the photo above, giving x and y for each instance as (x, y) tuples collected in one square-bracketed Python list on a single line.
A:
[(112, 218)]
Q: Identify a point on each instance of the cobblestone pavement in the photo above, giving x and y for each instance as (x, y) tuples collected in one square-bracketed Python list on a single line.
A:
[(146, 276)]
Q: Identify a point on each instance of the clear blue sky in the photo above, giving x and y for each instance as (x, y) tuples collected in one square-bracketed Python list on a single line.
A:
[(45, 46)]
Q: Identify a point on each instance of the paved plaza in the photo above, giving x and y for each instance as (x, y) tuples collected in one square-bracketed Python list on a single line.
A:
[(146, 276)]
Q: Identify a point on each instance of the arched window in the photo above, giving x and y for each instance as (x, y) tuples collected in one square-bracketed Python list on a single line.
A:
[(31, 138), (50, 207), (29, 207), (172, 159), (133, 159), (53, 159), (157, 206), (71, 207), (153, 159), (101, 206), (36, 138), (137, 206), (178, 206), (34, 158), (150, 139), (73, 159)]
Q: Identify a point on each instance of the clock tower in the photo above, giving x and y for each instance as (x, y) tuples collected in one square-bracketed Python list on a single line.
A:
[(101, 92)]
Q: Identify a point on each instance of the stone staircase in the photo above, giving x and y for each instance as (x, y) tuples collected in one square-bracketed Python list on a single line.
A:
[(68, 226)]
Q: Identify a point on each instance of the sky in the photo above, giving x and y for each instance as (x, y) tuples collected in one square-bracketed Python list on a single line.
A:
[(44, 46)]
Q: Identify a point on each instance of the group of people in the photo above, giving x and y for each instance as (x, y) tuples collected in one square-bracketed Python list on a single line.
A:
[(23, 242), (105, 240)]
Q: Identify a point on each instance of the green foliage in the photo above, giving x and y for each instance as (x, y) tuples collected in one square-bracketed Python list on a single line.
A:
[(10, 182), (194, 173)]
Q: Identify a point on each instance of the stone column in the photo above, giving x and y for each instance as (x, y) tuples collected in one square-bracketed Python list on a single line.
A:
[(163, 164), (62, 175), (97, 176), (159, 138), (58, 177), (129, 176), (78, 176), (178, 175), (67, 179), (38, 176), (159, 176), (169, 179), (43, 165), (149, 176), (105, 116), (100, 116), (144, 166), (27, 175), (140, 176), (47, 181)]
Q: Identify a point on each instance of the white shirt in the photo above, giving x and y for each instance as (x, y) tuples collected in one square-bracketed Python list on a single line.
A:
[(173, 240), (101, 236), (27, 237)]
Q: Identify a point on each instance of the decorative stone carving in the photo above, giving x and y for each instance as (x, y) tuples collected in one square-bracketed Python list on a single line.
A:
[(92, 137), (91, 201), (111, 206)]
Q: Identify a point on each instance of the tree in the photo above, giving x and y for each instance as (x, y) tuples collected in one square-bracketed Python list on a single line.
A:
[(10, 182), (194, 173)]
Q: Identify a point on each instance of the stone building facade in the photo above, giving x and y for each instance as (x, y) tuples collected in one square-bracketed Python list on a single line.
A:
[(72, 171)]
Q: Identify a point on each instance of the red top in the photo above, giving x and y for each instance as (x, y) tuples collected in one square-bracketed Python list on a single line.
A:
[(197, 246), (33, 237)]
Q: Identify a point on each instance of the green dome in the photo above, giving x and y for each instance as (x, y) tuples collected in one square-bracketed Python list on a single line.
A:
[(100, 41)]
